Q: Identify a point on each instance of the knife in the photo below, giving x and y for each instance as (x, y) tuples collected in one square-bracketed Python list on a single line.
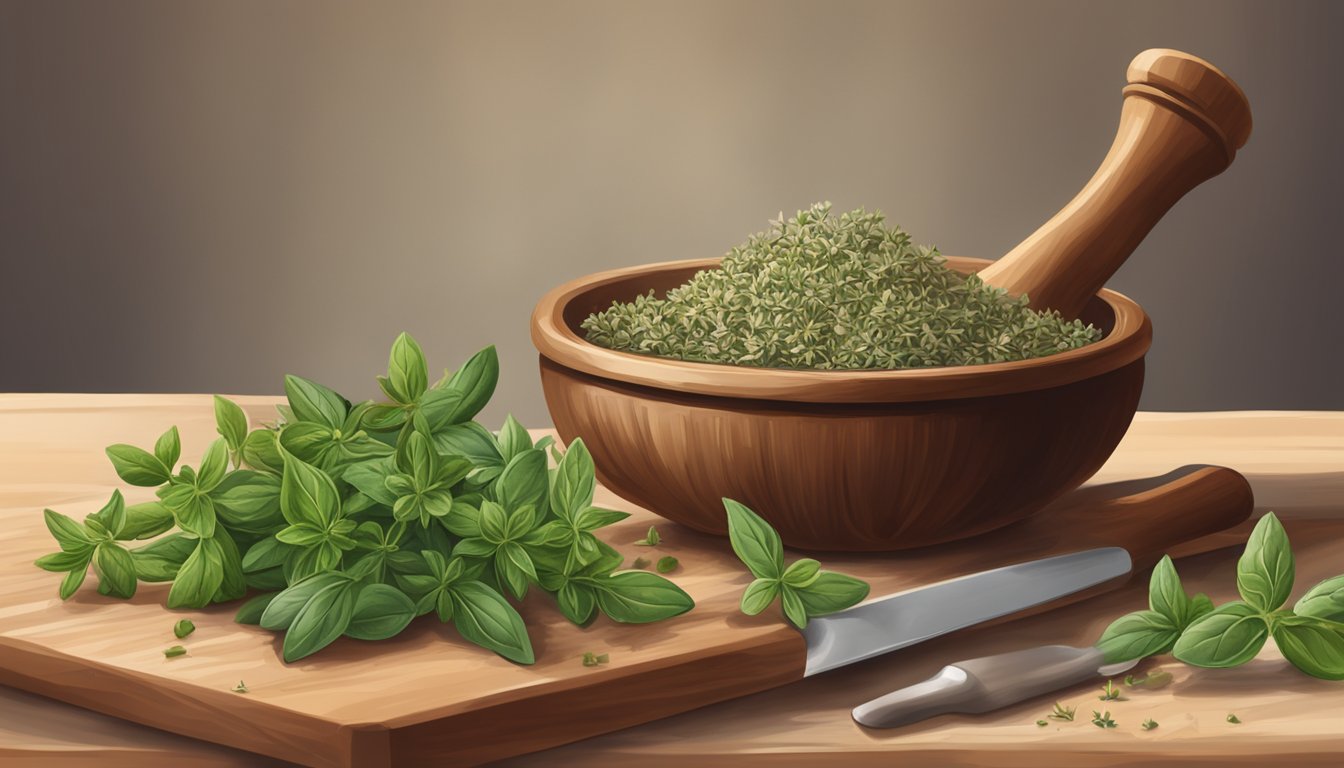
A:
[(982, 685), (905, 618)]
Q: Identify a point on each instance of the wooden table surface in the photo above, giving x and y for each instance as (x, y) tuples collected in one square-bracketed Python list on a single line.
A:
[(1295, 462)]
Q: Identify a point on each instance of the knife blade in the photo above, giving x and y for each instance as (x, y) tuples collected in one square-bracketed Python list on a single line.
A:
[(905, 618), (981, 685)]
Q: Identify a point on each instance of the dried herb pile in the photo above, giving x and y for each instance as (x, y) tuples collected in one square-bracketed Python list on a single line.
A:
[(818, 291)]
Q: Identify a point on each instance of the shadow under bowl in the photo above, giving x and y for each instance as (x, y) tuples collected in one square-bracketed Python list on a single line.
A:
[(864, 460)]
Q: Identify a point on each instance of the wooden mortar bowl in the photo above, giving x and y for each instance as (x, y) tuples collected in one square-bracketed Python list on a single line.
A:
[(869, 460)]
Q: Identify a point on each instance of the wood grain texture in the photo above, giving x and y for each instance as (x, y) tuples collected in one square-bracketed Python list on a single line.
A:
[(1295, 462), (932, 455), (1181, 123), (424, 694)]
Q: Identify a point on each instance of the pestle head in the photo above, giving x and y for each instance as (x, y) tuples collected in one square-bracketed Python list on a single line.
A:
[(1200, 86)]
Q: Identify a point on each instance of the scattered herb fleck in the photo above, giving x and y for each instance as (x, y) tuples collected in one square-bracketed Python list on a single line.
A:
[(1149, 724), (1109, 692), (241, 687), (651, 539), (176, 650), (1132, 681), (818, 291), (1155, 680), (1102, 719), (1042, 723), (183, 628), (1233, 719), (591, 659), (640, 562), (667, 564), (1062, 712)]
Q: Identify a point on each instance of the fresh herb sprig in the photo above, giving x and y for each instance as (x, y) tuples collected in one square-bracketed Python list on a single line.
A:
[(354, 519), (1310, 635), (804, 589)]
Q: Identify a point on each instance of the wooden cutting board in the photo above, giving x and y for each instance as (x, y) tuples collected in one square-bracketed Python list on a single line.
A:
[(427, 695)]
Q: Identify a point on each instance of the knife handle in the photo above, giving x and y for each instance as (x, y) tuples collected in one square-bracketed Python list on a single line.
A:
[(984, 684)]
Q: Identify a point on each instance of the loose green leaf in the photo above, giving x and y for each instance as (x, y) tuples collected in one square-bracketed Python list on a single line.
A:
[(794, 610), (1323, 601), (754, 541), (146, 520), (475, 381), (1229, 636), (168, 448), (60, 562), (524, 481), (407, 373), (137, 466), (1231, 718), (70, 535), (307, 495), (199, 577), (1315, 646), (484, 617), (573, 484), (284, 607), (323, 618), (115, 569), (315, 403), (831, 592), (183, 627), (803, 573), (174, 651), (213, 466), (1265, 570), (1137, 636), (667, 564), (231, 423), (1166, 595), (260, 451), (638, 597), (380, 612), (71, 582)]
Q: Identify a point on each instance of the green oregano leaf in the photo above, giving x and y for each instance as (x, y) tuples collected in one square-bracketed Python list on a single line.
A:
[(1315, 646), (754, 541), (1265, 570), (1229, 636)]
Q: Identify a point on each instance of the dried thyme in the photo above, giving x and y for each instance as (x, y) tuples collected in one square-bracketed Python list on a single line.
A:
[(818, 291)]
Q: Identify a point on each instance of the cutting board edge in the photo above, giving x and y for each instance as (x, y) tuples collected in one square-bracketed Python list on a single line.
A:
[(646, 693), (112, 691)]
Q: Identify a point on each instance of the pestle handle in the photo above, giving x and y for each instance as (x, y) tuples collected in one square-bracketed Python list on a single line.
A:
[(1181, 123)]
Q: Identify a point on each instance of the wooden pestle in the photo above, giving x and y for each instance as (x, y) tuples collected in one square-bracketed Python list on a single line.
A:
[(1181, 123)]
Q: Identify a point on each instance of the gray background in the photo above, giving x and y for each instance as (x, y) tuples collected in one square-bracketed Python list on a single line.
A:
[(204, 196)]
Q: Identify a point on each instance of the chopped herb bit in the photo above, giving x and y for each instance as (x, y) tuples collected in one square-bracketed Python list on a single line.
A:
[(176, 650), (1102, 719), (827, 292), (1062, 712), (1109, 692), (603, 658), (241, 687), (650, 539), (183, 628), (667, 564), (591, 659), (1042, 723), (1233, 719), (640, 562), (1132, 681), (1149, 725)]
